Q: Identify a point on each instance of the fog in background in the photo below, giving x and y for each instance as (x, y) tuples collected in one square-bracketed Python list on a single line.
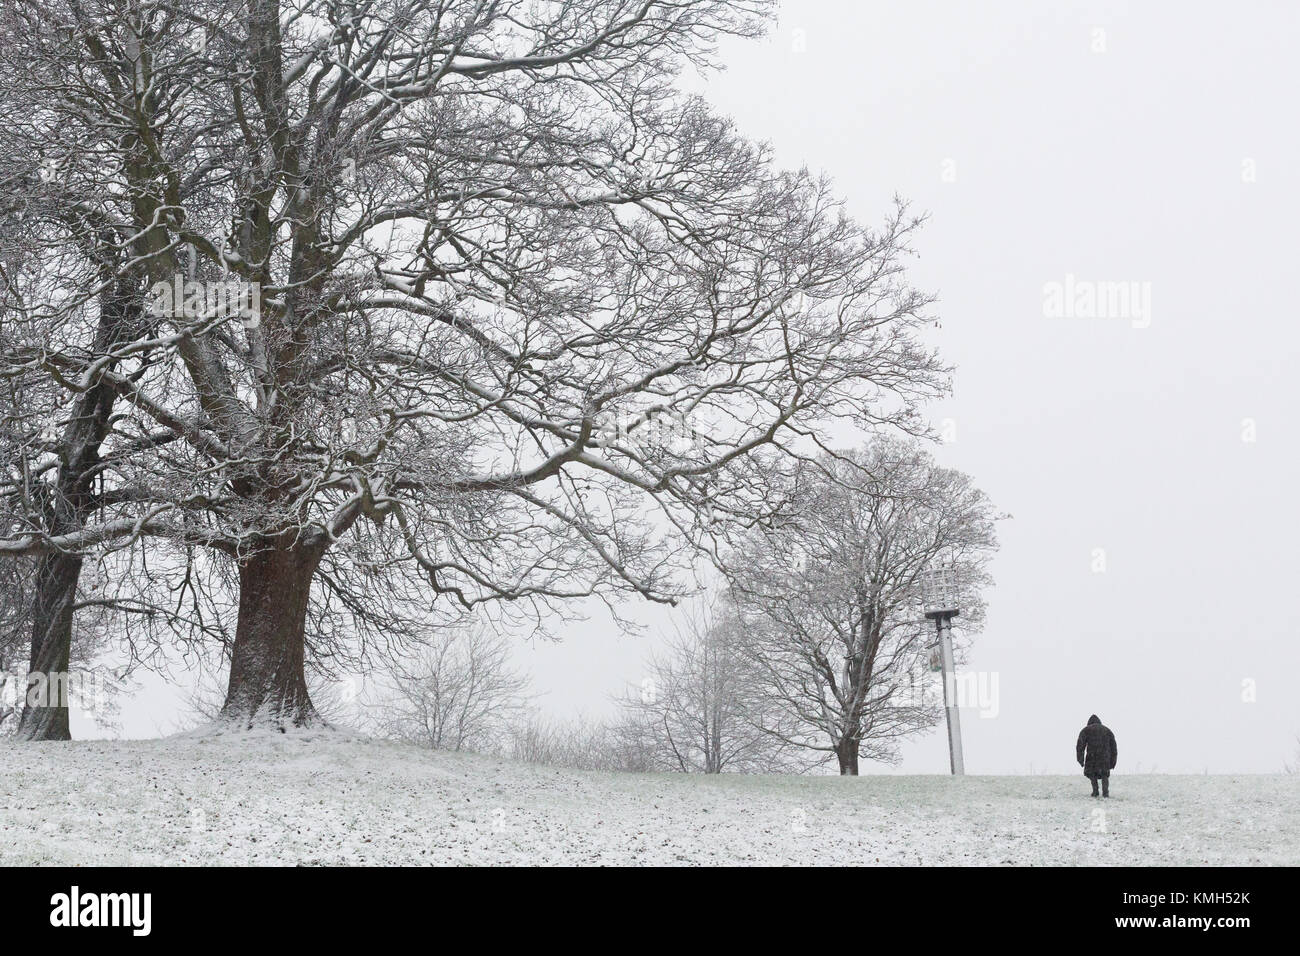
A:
[(1149, 460)]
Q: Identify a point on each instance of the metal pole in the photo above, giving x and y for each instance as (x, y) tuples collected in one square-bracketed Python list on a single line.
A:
[(950, 696)]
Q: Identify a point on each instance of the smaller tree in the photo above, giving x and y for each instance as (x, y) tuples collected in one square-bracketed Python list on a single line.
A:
[(92, 684), (701, 708), (831, 595), (579, 743), (459, 692)]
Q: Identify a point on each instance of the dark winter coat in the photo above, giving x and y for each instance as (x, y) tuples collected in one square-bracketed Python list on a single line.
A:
[(1096, 750)]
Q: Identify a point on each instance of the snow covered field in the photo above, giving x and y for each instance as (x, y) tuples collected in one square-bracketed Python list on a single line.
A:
[(334, 799)]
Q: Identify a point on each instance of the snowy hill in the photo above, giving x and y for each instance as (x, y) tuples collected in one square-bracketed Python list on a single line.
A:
[(336, 799)]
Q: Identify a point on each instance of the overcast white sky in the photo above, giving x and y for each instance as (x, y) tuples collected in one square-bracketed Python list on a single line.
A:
[(1145, 142)]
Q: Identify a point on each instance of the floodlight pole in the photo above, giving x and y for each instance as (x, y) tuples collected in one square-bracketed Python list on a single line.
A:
[(944, 623), (940, 599)]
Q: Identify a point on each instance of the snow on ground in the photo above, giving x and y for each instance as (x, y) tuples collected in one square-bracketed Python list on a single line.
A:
[(331, 799)]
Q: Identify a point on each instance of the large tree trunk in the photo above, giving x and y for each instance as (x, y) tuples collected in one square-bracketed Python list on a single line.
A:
[(45, 712), (847, 752), (268, 685)]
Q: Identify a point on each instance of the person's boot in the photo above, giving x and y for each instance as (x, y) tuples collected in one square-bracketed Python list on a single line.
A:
[(1094, 787), (1105, 786)]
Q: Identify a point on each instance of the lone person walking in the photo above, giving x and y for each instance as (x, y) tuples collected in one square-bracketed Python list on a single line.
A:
[(1097, 753)]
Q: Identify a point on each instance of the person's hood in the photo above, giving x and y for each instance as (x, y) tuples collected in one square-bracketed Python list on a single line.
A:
[(1094, 719)]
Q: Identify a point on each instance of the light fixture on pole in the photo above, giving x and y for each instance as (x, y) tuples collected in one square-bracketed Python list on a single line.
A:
[(939, 598)]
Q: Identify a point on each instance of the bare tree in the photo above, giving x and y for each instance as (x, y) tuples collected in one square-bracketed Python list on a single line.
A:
[(48, 481), (92, 681), (460, 692), (66, 280), (494, 250), (65, 504), (831, 598), (702, 708), (580, 743)]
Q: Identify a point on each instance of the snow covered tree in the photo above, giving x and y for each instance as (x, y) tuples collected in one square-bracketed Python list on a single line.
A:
[(460, 691), (831, 601), (581, 743), (448, 286), (63, 506), (69, 299), (701, 708)]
